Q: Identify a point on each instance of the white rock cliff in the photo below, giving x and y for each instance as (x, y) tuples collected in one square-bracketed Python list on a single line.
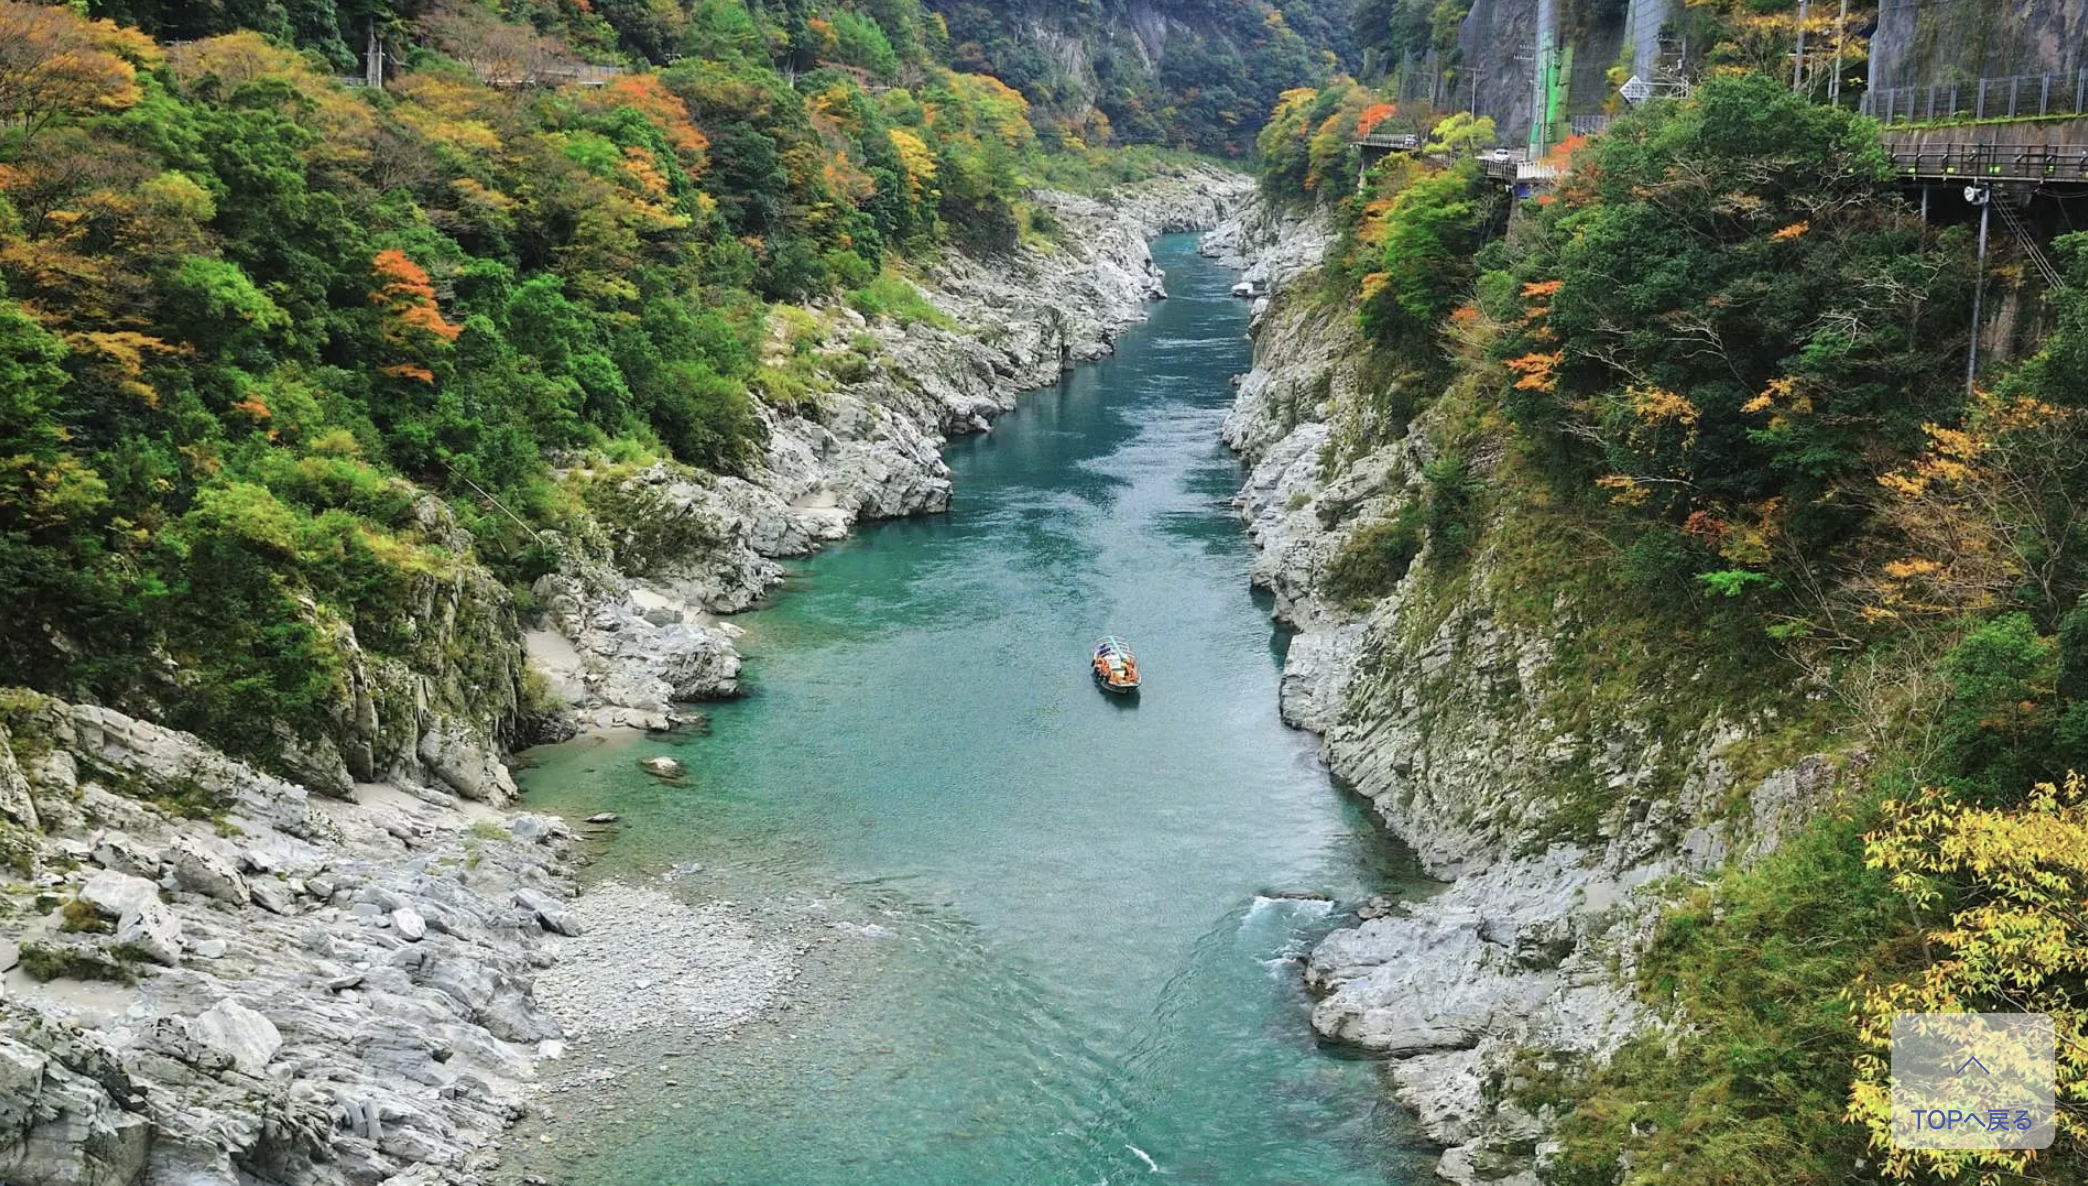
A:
[(1529, 951)]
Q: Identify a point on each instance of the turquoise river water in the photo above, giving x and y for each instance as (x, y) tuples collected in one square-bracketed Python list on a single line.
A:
[(1086, 976)]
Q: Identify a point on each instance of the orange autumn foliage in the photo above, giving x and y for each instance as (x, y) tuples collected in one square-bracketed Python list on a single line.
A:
[(649, 97), (1536, 371), (1370, 230), (1374, 115), (1708, 527), (123, 355), (1562, 152), (1981, 515), (404, 291), (55, 63)]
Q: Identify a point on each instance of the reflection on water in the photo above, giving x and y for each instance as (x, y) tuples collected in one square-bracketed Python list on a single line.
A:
[(1060, 961)]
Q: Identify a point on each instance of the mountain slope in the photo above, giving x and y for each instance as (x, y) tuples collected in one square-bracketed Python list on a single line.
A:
[(1191, 73)]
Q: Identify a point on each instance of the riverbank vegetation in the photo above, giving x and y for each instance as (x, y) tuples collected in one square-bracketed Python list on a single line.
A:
[(1724, 357), (251, 317)]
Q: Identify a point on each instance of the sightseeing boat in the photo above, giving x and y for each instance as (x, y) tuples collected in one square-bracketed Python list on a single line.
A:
[(1116, 668)]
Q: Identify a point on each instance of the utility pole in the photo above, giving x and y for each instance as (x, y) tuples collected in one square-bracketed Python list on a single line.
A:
[(1798, 62), (1985, 198), (1841, 32)]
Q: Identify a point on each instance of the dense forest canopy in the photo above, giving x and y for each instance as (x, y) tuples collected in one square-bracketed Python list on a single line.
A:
[(1197, 74), (250, 315)]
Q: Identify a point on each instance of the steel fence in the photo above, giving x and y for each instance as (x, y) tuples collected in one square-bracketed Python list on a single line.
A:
[(2021, 96)]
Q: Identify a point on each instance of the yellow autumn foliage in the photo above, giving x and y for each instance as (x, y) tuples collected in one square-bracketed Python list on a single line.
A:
[(915, 158), (2016, 941)]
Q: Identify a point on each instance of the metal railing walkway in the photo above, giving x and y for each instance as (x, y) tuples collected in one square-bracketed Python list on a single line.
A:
[(1987, 161)]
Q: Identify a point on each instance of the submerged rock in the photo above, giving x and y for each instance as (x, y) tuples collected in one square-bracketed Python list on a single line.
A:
[(1379, 906), (662, 767)]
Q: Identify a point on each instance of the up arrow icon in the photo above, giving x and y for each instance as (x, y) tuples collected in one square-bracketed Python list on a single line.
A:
[(1973, 1062)]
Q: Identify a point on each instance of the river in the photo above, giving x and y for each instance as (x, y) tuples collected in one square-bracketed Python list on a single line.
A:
[(1065, 963)]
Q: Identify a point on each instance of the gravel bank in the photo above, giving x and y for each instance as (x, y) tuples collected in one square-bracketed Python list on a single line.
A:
[(699, 969)]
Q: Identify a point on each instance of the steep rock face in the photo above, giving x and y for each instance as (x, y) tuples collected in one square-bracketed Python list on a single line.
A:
[(285, 988), (1494, 43), (1498, 38), (1922, 44), (635, 629), (1446, 713), (435, 698), (1181, 72)]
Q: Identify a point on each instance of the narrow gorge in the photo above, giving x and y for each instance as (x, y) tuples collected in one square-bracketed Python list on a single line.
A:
[(567, 568), (368, 952)]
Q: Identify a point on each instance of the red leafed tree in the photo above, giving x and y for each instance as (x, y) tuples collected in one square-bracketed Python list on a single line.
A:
[(413, 322)]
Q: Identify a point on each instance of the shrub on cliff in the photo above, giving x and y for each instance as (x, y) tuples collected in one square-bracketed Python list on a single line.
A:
[(1375, 557)]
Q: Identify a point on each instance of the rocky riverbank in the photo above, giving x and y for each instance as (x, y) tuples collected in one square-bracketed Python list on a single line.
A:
[(1443, 714), (216, 975), (633, 633)]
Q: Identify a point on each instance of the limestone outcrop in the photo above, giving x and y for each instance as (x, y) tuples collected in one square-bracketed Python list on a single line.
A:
[(281, 986), (1442, 711)]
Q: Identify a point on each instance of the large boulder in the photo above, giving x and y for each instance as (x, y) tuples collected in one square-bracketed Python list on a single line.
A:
[(202, 871), (114, 894), (550, 913), (467, 763), (154, 931), (1408, 985), (239, 1033), (118, 851)]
